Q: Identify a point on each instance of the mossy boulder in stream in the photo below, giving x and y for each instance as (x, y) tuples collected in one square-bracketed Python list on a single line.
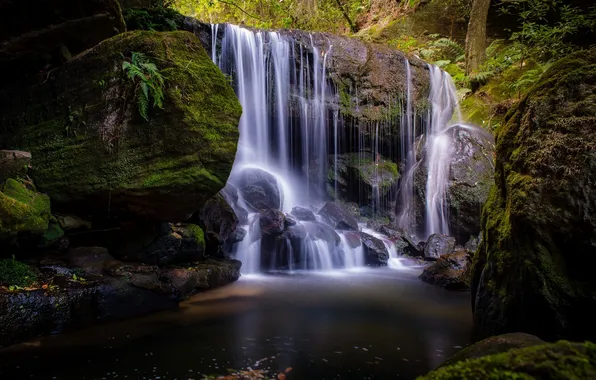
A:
[(534, 270), (94, 154), (22, 209), (561, 360)]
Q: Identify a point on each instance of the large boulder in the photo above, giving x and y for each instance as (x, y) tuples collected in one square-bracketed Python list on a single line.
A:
[(449, 271), (259, 188), (302, 213), (22, 210), (38, 36), (360, 178), (375, 252), (533, 271), (94, 154), (471, 169), (561, 360), (338, 217), (438, 245)]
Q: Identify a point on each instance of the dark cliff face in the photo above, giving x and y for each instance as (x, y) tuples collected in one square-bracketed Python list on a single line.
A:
[(534, 271)]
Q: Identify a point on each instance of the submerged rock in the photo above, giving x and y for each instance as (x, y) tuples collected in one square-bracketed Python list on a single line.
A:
[(438, 245), (375, 252), (337, 217), (534, 269), (93, 154), (561, 360), (450, 271)]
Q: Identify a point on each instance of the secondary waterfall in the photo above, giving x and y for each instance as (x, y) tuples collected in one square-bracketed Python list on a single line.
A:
[(291, 131)]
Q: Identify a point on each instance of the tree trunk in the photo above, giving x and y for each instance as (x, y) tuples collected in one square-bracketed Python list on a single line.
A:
[(476, 37), (353, 27)]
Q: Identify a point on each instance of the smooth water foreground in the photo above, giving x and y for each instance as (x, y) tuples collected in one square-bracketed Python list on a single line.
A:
[(368, 324)]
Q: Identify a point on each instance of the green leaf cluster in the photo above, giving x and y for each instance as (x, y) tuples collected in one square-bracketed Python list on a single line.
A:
[(149, 82)]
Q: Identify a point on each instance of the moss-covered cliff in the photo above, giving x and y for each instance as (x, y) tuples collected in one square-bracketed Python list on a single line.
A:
[(534, 271), (93, 153)]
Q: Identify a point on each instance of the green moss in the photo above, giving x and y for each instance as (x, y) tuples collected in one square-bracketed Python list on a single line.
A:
[(561, 360), (91, 148), (539, 220), (16, 273), (22, 210), (197, 234)]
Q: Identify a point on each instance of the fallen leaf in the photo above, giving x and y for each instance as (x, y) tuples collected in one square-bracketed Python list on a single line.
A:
[(281, 376), (288, 369)]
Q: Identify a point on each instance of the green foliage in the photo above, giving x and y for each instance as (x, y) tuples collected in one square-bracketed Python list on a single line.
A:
[(528, 79), (22, 210), (14, 273), (319, 15), (148, 80), (156, 19), (547, 27)]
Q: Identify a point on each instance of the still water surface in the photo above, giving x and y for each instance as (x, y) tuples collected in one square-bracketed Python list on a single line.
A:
[(370, 324)]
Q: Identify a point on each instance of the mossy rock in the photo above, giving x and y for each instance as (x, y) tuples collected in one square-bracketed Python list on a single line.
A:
[(561, 360), (534, 270), (22, 210), (94, 154)]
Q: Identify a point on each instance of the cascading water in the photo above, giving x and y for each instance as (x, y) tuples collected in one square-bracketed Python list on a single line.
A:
[(443, 98), (437, 151), (289, 127), (288, 106)]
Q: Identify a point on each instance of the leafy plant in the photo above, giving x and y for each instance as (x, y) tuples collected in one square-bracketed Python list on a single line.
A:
[(149, 83), (16, 274)]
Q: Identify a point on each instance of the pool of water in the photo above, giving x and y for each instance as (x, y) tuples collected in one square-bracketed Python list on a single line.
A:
[(368, 324)]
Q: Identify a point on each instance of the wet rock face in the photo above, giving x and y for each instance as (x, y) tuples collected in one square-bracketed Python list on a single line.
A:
[(338, 217), (272, 222), (471, 173), (302, 213), (534, 269), (111, 161), (449, 271), (258, 188), (375, 252), (438, 245), (362, 179), (111, 290)]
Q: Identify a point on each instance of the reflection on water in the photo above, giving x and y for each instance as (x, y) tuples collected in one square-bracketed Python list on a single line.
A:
[(370, 324)]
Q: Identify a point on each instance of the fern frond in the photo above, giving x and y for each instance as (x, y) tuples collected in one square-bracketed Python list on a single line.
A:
[(143, 104), (442, 63), (482, 77), (147, 76)]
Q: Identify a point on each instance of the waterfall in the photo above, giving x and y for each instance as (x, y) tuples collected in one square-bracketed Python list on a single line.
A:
[(289, 110), (439, 149), (291, 128)]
